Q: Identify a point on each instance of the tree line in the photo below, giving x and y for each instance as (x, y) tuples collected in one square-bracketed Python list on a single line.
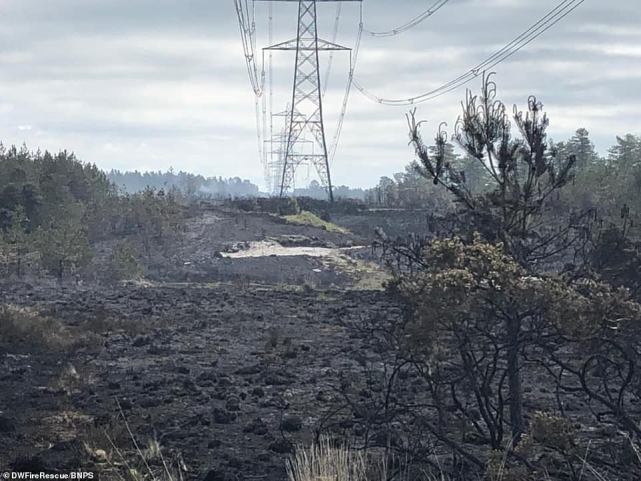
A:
[(54, 209), (608, 181)]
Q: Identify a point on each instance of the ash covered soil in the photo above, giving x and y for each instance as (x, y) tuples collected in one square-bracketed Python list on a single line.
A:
[(226, 363), (227, 376), (231, 351)]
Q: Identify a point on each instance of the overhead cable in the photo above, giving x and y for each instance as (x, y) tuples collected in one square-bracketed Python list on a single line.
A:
[(339, 7), (350, 82), (435, 7), (532, 33), (247, 29)]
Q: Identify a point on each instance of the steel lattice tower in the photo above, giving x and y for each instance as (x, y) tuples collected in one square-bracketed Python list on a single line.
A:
[(306, 110)]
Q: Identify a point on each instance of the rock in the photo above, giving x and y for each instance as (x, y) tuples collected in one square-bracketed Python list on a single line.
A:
[(232, 404), (215, 475), (219, 394), (158, 350), (264, 457), (290, 354), (63, 455), (323, 397), (276, 380), (223, 417), (6, 425), (257, 426), (281, 446), (291, 424), (140, 341), (249, 370), (214, 443), (150, 403), (177, 436), (33, 464), (190, 386), (151, 386), (258, 392), (65, 446), (207, 378)]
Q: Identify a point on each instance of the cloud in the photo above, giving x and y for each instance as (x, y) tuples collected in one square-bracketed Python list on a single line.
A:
[(157, 83)]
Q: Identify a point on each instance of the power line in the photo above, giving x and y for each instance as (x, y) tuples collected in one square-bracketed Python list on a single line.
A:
[(350, 82), (339, 8), (247, 28), (523, 37), (435, 7), (532, 33), (259, 129), (270, 157)]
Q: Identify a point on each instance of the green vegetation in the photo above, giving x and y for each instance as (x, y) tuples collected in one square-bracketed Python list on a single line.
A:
[(479, 296), (64, 245), (125, 262), (55, 210), (311, 219)]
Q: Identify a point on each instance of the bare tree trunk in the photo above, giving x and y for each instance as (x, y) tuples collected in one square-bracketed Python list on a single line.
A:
[(514, 379)]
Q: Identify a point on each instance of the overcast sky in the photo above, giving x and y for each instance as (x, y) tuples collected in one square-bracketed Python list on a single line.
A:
[(153, 84)]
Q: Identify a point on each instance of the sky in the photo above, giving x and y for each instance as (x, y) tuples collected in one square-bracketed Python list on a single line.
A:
[(154, 84)]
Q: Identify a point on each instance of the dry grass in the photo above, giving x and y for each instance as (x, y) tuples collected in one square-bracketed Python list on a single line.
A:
[(70, 380), (311, 219), (119, 456), (364, 274), (22, 328), (106, 323), (326, 462), (597, 474)]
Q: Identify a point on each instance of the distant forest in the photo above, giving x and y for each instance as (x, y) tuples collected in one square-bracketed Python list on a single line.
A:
[(189, 184), (410, 189), (193, 185), (618, 174)]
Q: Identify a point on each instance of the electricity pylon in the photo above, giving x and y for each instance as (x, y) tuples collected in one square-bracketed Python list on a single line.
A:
[(306, 111)]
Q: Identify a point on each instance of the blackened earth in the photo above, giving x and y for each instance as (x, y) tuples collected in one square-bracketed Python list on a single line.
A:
[(226, 376)]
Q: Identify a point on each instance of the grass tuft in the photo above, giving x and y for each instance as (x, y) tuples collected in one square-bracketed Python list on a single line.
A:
[(311, 219), (27, 328), (324, 462)]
